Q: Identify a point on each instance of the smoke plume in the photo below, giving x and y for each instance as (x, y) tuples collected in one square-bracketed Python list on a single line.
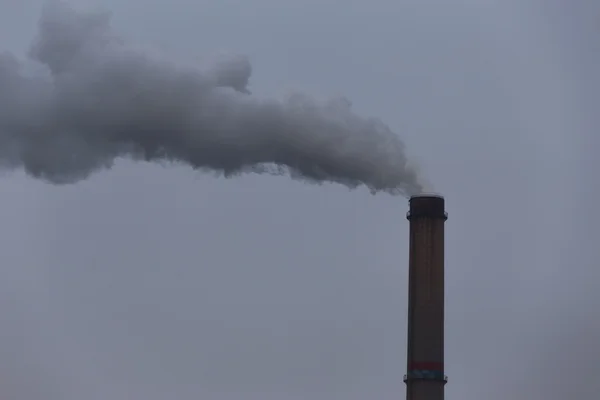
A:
[(101, 100)]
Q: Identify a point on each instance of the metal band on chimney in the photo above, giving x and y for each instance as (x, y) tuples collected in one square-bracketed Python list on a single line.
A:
[(427, 206), (425, 374), (431, 371)]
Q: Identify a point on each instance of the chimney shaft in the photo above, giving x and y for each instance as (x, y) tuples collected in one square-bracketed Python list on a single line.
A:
[(425, 377)]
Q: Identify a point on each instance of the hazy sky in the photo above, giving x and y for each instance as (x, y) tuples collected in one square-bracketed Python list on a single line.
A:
[(147, 282)]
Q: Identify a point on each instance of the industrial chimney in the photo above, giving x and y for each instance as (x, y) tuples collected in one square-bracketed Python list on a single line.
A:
[(425, 377)]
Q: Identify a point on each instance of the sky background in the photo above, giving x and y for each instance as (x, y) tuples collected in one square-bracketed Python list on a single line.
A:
[(147, 282)]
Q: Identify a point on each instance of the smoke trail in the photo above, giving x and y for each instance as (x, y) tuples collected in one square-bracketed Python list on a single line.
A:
[(102, 100)]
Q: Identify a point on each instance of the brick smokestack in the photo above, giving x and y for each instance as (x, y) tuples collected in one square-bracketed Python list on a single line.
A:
[(425, 377)]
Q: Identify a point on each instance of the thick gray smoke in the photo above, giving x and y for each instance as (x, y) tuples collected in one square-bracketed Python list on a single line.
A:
[(102, 100)]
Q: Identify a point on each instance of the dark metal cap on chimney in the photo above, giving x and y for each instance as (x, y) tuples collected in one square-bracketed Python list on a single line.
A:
[(427, 206)]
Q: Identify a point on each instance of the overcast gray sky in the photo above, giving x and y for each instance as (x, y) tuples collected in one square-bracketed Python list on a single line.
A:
[(147, 282)]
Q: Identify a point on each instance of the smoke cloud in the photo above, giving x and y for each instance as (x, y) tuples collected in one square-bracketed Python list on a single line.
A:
[(101, 100)]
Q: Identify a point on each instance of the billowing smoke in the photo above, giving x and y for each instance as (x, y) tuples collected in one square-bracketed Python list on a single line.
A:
[(101, 100)]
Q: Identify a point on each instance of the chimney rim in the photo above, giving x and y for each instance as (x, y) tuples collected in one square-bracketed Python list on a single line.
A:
[(427, 195)]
